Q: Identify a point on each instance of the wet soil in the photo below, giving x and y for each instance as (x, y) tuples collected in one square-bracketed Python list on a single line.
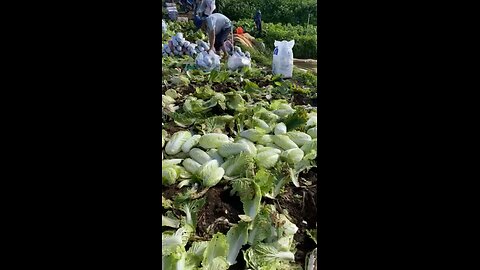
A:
[(302, 99), (223, 87), (219, 210), (170, 192), (171, 128), (184, 90)]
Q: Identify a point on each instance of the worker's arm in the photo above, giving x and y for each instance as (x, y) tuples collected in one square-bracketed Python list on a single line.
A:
[(211, 38)]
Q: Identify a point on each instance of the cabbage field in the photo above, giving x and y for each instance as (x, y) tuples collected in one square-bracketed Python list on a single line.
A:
[(239, 170)]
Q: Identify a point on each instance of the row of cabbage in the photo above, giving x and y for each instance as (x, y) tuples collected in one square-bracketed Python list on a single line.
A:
[(206, 159)]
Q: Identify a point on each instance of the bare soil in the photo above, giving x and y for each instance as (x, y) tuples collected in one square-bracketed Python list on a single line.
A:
[(219, 210)]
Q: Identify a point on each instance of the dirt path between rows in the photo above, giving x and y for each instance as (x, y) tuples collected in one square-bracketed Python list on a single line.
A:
[(306, 64)]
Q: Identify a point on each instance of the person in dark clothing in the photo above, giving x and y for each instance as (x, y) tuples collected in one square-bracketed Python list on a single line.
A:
[(258, 21), (186, 5)]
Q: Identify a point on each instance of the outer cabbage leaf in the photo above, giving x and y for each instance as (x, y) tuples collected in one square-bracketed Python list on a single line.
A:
[(284, 142), (262, 227), (236, 237), (218, 263), (213, 140), (253, 135), (250, 195), (217, 247), (266, 256), (191, 208), (174, 145), (195, 253), (210, 173), (170, 222), (171, 242), (240, 165)]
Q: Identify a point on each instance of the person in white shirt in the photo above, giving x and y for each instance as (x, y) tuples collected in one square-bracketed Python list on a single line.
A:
[(206, 8)]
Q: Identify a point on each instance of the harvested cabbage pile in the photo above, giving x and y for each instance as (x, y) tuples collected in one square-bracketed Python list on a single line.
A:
[(206, 159), (178, 46), (238, 51), (202, 46), (208, 61), (239, 59)]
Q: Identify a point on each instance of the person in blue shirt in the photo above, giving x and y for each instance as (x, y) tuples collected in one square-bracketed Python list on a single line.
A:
[(218, 27)]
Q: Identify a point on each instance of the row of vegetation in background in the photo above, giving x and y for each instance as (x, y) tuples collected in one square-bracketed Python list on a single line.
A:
[(274, 11), (305, 37)]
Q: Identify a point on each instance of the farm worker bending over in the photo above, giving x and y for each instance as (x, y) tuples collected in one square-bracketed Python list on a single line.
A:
[(218, 28), (206, 8)]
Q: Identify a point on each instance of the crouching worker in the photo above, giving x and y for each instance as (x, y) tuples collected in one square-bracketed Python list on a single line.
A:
[(218, 27)]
